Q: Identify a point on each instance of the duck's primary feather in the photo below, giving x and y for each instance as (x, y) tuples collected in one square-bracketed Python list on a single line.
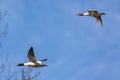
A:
[(31, 55)]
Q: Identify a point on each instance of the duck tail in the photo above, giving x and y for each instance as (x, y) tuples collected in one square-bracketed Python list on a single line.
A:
[(21, 64)]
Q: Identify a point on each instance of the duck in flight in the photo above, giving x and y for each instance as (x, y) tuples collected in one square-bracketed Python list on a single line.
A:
[(32, 60), (93, 13)]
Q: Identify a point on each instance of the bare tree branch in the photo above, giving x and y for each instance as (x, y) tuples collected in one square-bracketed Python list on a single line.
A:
[(2, 68), (36, 75), (27, 74), (4, 32)]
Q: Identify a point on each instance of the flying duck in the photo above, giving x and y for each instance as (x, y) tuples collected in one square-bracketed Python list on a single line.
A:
[(32, 60), (95, 14)]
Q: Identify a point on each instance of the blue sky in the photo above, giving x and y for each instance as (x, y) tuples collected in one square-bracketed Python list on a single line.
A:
[(76, 47)]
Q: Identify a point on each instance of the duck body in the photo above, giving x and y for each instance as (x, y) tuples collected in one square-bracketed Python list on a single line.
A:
[(31, 64), (94, 14), (32, 60)]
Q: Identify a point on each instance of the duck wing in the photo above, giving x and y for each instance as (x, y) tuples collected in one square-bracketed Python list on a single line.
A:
[(31, 55), (99, 21), (91, 12)]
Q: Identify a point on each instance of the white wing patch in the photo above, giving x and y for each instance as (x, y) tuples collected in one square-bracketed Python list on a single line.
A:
[(86, 14), (40, 62)]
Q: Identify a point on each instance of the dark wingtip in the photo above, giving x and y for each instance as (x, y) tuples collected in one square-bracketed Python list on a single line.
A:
[(31, 47), (45, 65), (44, 59)]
